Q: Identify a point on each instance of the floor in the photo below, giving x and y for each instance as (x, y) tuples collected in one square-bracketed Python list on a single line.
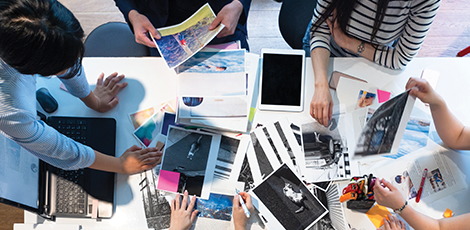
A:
[(449, 34)]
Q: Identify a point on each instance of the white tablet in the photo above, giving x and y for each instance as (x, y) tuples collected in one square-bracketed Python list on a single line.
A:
[(282, 80)]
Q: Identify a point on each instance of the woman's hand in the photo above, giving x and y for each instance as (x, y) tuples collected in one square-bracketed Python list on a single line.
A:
[(182, 217), (421, 89), (239, 217), (393, 223), (135, 159), (321, 106), (103, 98), (388, 195)]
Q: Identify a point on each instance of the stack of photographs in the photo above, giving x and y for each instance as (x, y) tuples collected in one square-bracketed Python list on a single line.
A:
[(285, 202)]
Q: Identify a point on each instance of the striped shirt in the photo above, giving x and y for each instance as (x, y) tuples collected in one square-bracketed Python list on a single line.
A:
[(399, 37), (18, 120)]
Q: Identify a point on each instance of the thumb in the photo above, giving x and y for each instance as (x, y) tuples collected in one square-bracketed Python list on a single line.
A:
[(215, 23), (236, 202)]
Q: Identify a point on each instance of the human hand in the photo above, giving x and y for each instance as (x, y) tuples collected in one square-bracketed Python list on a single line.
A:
[(393, 223), (321, 106), (338, 35), (239, 217), (105, 93), (182, 218), (142, 26), (228, 16), (421, 89), (135, 159), (388, 195)]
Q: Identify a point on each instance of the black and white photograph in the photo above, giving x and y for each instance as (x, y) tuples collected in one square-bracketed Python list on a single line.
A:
[(156, 203), (265, 166), (284, 201), (335, 219), (325, 149), (191, 155), (383, 131), (245, 175)]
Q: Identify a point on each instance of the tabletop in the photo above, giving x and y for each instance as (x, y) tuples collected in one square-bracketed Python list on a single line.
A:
[(151, 83)]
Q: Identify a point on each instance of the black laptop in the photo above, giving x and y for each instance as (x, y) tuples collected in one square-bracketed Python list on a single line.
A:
[(29, 183)]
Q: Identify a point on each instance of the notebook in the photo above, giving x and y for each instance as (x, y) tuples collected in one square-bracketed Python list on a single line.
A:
[(29, 183)]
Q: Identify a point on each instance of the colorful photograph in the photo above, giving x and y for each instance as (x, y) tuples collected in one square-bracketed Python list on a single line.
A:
[(149, 130), (216, 207), (227, 61), (365, 99), (180, 42), (415, 137), (436, 180), (138, 118)]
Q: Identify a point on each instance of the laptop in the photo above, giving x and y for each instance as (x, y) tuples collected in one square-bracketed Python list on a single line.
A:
[(31, 184)]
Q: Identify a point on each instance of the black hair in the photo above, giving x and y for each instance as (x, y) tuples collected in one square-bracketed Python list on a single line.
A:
[(344, 9), (40, 37)]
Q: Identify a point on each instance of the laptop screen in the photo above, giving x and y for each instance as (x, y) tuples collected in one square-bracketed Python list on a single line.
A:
[(19, 174)]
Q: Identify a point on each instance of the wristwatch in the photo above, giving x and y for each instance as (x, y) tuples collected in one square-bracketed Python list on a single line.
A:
[(361, 48), (398, 211)]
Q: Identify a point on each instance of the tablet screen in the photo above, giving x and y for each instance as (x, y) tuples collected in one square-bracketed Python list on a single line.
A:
[(282, 79)]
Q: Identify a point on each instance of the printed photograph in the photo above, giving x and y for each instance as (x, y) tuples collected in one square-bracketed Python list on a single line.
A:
[(228, 61), (335, 218), (186, 155), (138, 118), (405, 185), (246, 176), (436, 180), (286, 144), (415, 137), (180, 42), (226, 158), (265, 166), (156, 204), (325, 150), (148, 131), (216, 207), (379, 132), (365, 99), (289, 200)]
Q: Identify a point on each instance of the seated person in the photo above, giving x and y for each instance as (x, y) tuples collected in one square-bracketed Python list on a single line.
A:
[(454, 134), (388, 33), (42, 37), (183, 215), (143, 16)]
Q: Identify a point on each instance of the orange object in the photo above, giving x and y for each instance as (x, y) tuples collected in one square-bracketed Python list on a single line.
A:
[(348, 196), (448, 213), (377, 214)]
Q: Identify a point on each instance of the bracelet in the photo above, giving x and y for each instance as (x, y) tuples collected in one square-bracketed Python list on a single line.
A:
[(361, 48), (398, 211)]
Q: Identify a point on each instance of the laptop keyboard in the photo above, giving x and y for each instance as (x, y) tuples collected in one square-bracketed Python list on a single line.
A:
[(73, 128), (70, 195), (71, 198)]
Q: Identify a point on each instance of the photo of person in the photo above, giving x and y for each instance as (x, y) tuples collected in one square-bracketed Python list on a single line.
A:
[(365, 99), (436, 180), (288, 200), (404, 183)]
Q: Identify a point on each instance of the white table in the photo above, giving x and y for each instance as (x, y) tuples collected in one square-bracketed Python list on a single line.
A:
[(151, 83)]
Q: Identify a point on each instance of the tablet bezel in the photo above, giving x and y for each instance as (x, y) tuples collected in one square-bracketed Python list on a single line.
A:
[(284, 108)]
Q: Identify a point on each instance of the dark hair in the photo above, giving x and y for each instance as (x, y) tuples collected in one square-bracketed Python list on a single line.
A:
[(40, 37), (344, 9)]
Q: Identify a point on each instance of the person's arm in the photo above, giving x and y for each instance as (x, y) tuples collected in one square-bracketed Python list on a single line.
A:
[(229, 16), (134, 160), (452, 132), (321, 105), (422, 14), (239, 217), (182, 215), (389, 196)]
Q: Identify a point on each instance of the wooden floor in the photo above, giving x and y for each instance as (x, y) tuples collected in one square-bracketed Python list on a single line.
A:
[(449, 34)]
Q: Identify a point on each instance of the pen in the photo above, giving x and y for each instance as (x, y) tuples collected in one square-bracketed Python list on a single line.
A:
[(245, 209), (420, 191)]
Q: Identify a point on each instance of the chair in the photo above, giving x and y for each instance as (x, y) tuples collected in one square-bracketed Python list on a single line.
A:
[(294, 17), (113, 39)]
